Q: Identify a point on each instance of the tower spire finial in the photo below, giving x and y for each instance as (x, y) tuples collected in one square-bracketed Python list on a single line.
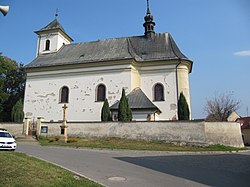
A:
[(149, 23), (56, 14), (148, 10)]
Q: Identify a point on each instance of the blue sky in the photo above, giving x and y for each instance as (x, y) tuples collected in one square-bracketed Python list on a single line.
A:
[(215, 34)]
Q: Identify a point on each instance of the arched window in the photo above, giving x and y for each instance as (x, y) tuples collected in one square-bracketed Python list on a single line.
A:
[(64, 95), (100, 92), (47, 45), (158, 92)]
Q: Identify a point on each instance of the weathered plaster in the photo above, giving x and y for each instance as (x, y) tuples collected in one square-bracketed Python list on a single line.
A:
[(42, 94)]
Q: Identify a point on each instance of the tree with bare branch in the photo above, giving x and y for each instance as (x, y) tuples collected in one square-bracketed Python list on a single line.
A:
[(220, 107)]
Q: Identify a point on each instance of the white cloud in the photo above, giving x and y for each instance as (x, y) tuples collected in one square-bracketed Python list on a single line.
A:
[(242, 53)]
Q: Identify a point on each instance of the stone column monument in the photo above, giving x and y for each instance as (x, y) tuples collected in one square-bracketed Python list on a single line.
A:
[(64, 124)]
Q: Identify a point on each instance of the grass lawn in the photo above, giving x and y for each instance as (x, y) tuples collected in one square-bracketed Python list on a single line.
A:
[(20, 170), (119, 143)]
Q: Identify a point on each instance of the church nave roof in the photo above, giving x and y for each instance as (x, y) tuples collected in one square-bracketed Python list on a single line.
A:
[(140, 48)]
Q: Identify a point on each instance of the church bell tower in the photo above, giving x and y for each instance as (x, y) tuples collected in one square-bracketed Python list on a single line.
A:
[(51, 38), (149, 23)]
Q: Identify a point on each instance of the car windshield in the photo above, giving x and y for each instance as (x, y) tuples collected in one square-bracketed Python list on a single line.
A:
[(5, 135)]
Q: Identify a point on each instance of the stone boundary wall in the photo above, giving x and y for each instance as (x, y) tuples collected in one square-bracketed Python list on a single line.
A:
[(16, 129), (224, 133), (192, 133), (189, 132)]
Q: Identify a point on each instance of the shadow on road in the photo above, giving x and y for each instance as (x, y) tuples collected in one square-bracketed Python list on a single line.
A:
[(214, 170)]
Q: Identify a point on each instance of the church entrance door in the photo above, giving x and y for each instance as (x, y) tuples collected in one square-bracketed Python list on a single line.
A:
[(32, 129)]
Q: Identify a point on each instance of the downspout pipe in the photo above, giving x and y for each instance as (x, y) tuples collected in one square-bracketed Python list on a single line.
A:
[(176, 67)]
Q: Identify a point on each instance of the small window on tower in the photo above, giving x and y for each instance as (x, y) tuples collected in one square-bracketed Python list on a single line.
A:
[(47, 46)]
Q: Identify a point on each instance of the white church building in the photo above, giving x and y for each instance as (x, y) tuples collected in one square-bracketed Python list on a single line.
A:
[(151, 69)]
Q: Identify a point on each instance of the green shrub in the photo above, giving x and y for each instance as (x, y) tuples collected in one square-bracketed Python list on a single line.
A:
[(183, 109), (129, 111), (105, 116), (124, 111)]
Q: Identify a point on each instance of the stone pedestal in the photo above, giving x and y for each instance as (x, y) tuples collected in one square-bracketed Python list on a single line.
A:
[(64, 133), (26, 126), (64, 126), (39, 124)]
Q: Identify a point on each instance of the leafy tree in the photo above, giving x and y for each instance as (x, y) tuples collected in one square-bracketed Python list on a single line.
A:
[(220, 107), (17, 113), (12, 81), (3, 98), (105, 116), (183, 108)]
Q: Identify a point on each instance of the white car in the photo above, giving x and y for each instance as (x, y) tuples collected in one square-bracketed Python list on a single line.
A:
[(7, 141)]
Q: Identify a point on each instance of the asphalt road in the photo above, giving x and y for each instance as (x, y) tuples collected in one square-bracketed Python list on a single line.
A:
[(148, 169)]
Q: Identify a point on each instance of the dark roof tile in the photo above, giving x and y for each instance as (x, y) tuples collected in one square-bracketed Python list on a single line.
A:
[(137, 100), (244, 122), (140, 48), (52, 25)]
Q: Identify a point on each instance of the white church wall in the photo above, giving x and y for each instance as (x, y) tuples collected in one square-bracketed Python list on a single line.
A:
[(61, 40), (56, 42), (183, 83), (167, 78), (43, 89), (42, 93), (53, 37), (135, 79)]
